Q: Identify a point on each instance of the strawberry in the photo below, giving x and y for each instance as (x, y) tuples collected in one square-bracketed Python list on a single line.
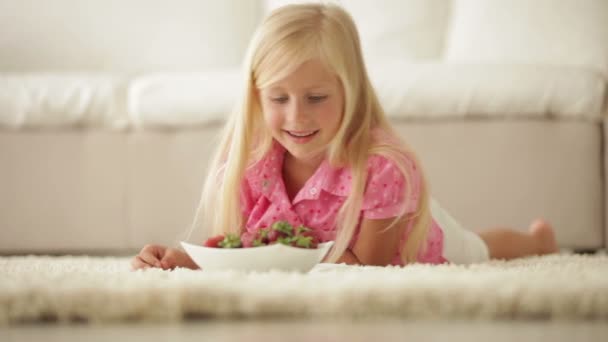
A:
[(283, 228), (248, 238), (280, 232), (301, 230), (302, 241), (313, 242), (214, 241), (231, 241), (285, 240), (273, 235), (285, 233), (264, 235), (258, 243)]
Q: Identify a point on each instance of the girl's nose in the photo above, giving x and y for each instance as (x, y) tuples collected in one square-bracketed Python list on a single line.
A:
[(296, 111)]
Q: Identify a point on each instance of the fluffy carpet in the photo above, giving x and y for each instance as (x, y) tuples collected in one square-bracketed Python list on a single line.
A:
[(97, 289)]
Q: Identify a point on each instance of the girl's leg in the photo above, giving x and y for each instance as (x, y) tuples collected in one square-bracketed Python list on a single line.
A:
[(505, 243)]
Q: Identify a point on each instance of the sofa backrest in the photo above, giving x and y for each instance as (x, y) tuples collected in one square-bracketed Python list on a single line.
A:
[(411, 30), (541, 32), (545, 32), (185, 35)]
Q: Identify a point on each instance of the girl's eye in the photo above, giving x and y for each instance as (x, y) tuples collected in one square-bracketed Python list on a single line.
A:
[(317, 98), (312, 99), (281, 99)]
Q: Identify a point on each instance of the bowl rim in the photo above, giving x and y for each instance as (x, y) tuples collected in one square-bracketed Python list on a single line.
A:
[(321, 246)]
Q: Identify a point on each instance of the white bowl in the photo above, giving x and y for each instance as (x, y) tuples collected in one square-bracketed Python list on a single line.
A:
[(263, 258)]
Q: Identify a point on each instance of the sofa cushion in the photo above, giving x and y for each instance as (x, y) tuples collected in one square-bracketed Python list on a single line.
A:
[(565, 32), (60, 100), (182, 99), (432, 91), (440, 91), (424, 91)]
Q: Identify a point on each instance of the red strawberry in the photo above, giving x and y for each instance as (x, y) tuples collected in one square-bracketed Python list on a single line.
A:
[(247, 238), (267, 235), (273, 235), (214, 241)]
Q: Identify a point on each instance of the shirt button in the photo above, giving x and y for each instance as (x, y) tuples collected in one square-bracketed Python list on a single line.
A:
[(313, 190)]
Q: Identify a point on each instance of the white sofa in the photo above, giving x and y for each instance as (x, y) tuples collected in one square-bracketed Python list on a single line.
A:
[(108, 111)]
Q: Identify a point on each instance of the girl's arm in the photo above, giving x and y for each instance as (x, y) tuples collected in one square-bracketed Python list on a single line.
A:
[(375, 246), (348, 258)]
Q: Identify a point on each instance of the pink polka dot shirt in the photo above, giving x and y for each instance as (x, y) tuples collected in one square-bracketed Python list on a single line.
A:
[(264, 199)]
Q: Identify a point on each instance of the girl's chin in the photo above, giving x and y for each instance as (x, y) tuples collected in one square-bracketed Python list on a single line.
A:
[(305, 155)]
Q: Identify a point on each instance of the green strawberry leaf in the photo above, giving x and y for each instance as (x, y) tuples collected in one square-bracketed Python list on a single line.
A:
[(264, 233), (258, 242), (304, 241), (285, 240), (283, 227), (231, 241), (301, 229)]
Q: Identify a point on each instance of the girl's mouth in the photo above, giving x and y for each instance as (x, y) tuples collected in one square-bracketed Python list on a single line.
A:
[(302, 136)]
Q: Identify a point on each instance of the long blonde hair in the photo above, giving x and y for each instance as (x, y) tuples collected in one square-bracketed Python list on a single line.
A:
[(288, 37)]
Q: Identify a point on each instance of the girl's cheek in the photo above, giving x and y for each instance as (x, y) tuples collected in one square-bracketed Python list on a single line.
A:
[(274, 119), (330, 113)]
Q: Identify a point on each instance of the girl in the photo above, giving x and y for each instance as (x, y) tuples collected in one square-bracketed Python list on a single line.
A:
[(310, 144)]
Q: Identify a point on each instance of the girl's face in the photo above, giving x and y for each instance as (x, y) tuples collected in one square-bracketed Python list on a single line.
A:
[(304, 110)]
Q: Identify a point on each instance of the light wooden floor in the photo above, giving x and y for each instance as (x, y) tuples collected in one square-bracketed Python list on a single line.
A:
[(314, 331)]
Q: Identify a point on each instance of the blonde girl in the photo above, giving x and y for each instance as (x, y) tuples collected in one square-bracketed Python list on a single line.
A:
[(309, 143)]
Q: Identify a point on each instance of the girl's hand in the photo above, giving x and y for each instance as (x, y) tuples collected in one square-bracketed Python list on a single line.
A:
[(161, 257), (174, 258), (149, 256)]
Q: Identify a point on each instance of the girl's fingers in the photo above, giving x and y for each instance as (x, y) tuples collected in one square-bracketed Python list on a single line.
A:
[(148, 258), (151, 255), (137, 263), (172, 259), (168, 262)]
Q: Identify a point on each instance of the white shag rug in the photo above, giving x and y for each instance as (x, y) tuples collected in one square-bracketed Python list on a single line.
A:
[(103, 289)]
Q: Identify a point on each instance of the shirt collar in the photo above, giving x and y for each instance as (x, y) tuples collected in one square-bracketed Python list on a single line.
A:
[(335, 180), (269, 178)]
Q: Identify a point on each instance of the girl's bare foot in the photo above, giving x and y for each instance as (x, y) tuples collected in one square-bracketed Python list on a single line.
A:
[(545, 235)]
